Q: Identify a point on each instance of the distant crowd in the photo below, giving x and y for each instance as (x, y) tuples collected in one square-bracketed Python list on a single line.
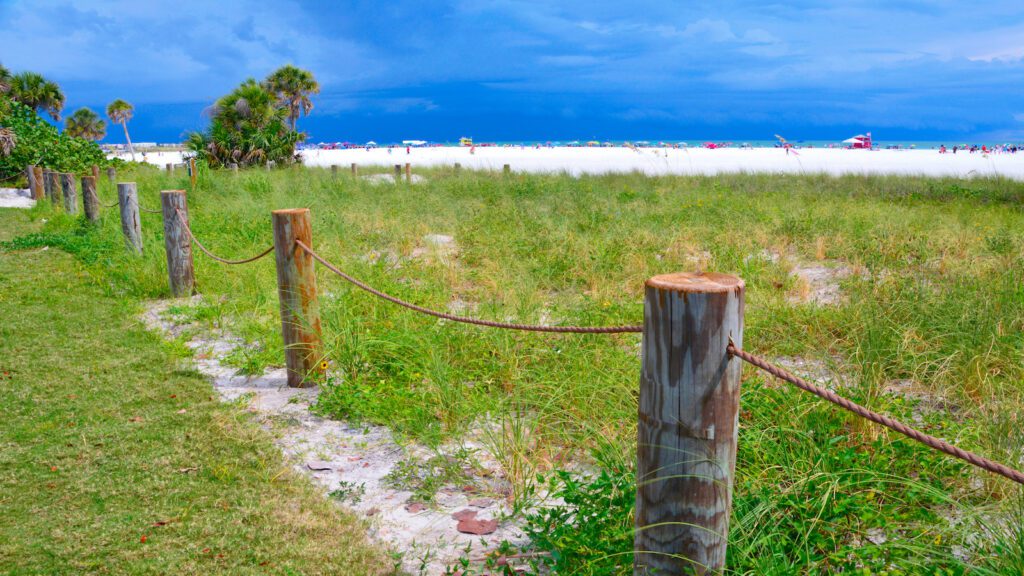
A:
[(997, 149)]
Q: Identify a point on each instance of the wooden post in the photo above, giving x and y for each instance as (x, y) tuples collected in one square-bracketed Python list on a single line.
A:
[(67, 184), (270, 165), (90, 200), (170, 168), (688, 420), (334, 171), (192, 172), (38, 192), (177, 243), (30, 174), (398, 173), (408, 173), (111, 174), (234, 167), (96, 172), (458, 166), (355, 169), (131, 226), (296, 289), (507, 169), (50, 185)]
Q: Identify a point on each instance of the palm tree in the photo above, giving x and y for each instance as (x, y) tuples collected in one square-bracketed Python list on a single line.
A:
[(292, 86), (37, 93), (120, 112), (5, 79), (85, 123)]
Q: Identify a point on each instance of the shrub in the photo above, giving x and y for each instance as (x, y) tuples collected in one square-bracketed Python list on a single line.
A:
[(39, 142)]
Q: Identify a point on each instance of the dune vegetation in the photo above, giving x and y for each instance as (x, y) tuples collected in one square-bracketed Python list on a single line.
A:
[(906, 294)]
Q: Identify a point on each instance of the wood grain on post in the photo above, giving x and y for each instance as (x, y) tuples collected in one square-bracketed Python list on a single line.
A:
[(408, 173), (507, 169), (96, 172), (177, 243), (296, 289), (67, 184), (688, 419), (111, 174), (398, 173), (90, 200), (38, 193), (169, 167), (334, 171), (192, 172), (458, 166), (50, 185), (30, 175), (131, 226), (355, 169)]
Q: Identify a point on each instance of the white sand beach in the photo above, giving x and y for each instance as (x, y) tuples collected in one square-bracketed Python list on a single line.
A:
[(653, 161)]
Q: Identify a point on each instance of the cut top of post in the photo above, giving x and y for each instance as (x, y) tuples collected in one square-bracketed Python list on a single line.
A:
[(696, 282)]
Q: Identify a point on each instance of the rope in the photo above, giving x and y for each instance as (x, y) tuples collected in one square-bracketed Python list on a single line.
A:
[(150, 211), (463, 319), (929, 441), (112, 205), (211, 254)]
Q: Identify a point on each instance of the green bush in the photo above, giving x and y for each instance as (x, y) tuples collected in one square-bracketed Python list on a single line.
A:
[(39, 142)]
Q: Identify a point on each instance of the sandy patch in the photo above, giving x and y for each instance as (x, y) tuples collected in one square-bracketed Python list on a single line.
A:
[(354, 460), (16, 198)]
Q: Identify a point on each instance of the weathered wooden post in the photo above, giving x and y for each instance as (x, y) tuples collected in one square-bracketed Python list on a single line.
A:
[(131, 226), (355, 169), (30, 174), (177, 243), (37, 193), (398, 173), (50, 185), (90, 201), (96, 172), (507, 169), (296, 289), (67, 184), (688, 419), (170, 168), (111, 174), (270, 165), (408, 173), (234, 167), (192, 172), (458, 166), (334, 171)]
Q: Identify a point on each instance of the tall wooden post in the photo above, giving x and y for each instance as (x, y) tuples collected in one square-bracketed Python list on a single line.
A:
[(30, 174), (234, 167), (334, 171), (398, 173), (96, 172), (458, 166), (270, 165), (131, 226), (296, 289), (90, 200), (507, 169), (408, 173), (111, 174), (177, 243), (50, 185), (688, 420), (170, 168), (355, 169), (192, 172), (67, 184), (38, 192)]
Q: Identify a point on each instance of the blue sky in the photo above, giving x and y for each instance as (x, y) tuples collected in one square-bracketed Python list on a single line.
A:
[(508, 70)]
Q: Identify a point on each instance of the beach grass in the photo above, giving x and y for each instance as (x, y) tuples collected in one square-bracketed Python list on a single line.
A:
[(926, 325), (116, 457)]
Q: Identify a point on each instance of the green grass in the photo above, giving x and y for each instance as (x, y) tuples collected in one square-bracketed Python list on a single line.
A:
[(937, 298), (116, 458)]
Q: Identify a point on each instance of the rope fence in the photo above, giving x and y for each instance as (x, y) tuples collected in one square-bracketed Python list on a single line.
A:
[(689, 383)]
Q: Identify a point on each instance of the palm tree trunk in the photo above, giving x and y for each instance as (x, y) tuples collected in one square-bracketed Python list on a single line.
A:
[(124, 124)]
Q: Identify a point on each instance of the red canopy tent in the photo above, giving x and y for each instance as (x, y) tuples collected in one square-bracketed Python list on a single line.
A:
[(859, 141)]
